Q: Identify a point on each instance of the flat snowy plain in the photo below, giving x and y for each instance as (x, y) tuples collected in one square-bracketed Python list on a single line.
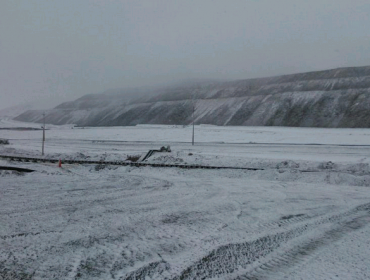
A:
[(306, 215)]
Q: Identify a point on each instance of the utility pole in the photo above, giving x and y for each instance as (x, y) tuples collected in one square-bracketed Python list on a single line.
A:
[(43, 135), (192, 140)]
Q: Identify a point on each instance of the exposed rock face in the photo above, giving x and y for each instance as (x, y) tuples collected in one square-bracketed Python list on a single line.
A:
[(332, 98)]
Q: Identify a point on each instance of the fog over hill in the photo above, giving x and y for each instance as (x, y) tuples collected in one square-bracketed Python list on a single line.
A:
[(331, 98)]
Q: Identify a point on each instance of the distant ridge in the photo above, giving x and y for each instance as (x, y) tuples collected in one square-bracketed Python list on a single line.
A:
[(331, 98)]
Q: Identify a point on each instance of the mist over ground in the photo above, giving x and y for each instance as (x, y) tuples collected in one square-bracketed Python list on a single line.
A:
[(55, 51)]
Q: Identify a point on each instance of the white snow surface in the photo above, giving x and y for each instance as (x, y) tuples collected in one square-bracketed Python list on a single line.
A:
[(306, 215)]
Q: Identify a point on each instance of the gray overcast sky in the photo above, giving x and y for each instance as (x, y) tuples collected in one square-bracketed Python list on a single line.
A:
[(62, 49)]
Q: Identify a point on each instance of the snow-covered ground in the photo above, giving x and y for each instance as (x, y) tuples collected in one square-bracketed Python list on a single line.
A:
[(305, 216)]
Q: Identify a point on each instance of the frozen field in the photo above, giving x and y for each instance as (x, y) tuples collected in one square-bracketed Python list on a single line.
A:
[(306, 215)]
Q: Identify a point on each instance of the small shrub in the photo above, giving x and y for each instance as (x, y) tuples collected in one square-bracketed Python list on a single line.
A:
[(134, 158), (4, 141), (99, 167)]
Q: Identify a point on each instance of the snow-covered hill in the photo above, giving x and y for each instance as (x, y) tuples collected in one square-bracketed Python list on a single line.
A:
[(14, 111), (332, 98)]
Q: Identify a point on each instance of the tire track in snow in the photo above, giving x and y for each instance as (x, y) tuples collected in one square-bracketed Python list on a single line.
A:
[(133, 181), (152, 271), (245, 254), (303, 252), (25, 234), (230, 258)]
